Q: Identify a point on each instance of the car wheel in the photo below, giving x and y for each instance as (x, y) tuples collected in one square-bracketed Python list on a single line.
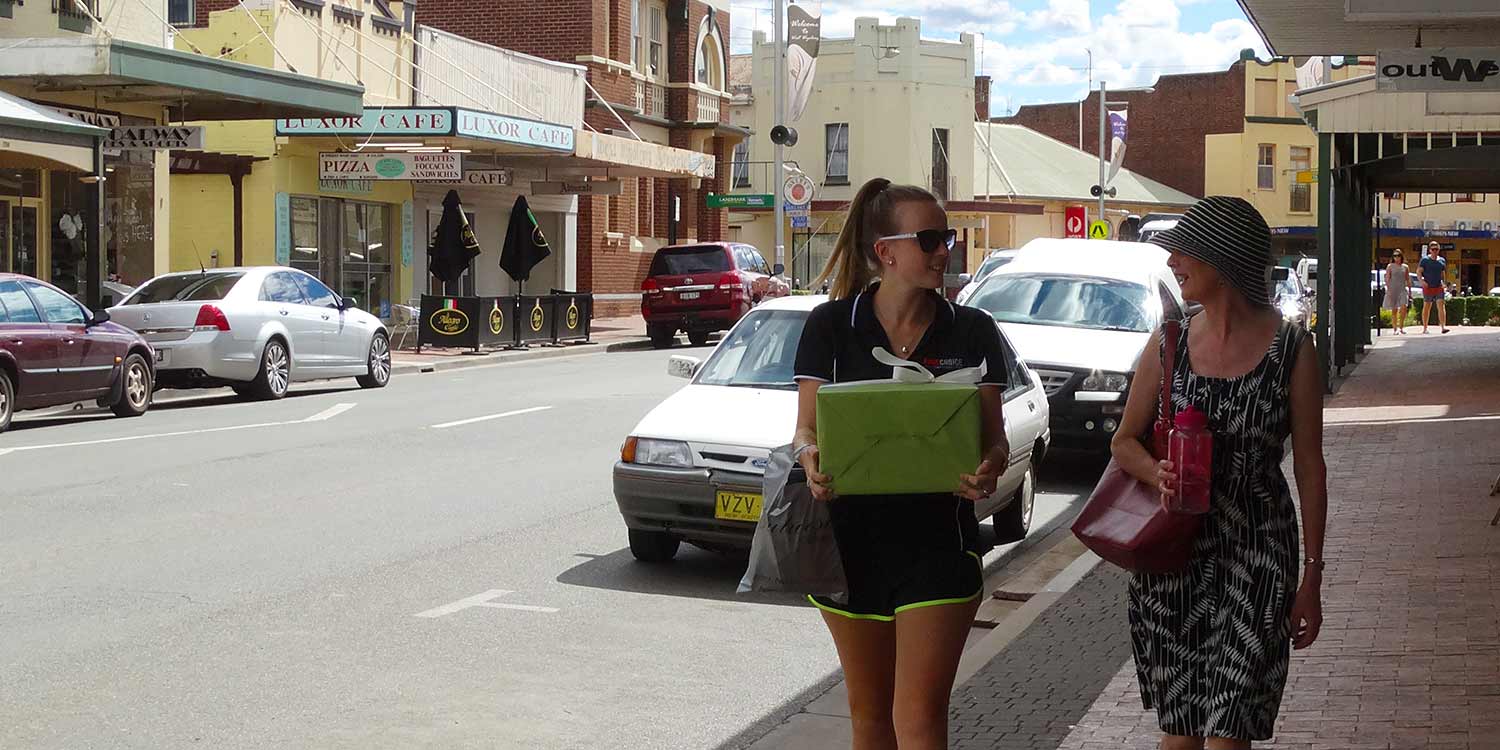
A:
[(1014, 520), (698, 338), (662, 337), (653, 546), (7, 399), (379, 363), (275, 374), (135, 391)]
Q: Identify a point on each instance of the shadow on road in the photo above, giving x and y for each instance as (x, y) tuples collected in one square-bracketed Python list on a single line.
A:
[(190, 402), (695, 573)]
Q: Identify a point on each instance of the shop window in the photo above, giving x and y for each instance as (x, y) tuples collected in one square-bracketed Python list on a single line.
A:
[(129, 235), (366, 256), (180, 12), (305, 254), (1265, 167), (836, 153), (69, 227), (1301, 200)]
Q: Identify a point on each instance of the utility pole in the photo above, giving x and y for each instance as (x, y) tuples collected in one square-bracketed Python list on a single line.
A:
[(1103, 106), (778, 87)]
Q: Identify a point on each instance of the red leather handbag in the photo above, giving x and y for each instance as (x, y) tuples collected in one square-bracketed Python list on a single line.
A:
[(1124, 521)]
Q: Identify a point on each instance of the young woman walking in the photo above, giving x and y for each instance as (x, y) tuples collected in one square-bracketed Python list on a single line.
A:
[(912, 561), (1212, 643)]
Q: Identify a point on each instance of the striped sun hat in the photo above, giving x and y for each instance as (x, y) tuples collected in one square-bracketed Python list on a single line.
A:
[(1229, 234)]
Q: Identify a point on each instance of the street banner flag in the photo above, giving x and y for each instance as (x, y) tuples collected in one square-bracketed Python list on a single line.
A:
[(804, 22), (525, 245), (453, 243), (1119, 125)]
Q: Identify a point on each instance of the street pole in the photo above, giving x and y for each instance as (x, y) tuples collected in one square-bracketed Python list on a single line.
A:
[(1102, 117), (778, 180)]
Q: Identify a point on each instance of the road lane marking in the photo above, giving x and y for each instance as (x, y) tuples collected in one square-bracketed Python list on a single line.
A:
[(4, 451), (329, 413), (472, 420), (483, 600)]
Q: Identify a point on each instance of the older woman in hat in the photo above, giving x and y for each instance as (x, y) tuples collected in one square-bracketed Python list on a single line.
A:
[(1212, 642)]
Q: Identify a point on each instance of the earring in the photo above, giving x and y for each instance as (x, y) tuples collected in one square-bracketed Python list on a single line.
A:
[(890, 262)]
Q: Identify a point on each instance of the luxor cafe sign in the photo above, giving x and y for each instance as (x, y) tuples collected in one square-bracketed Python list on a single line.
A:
[(1433, 69), (419, 167)]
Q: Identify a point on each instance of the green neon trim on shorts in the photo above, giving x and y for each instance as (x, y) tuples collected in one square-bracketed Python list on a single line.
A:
[(904, 607)]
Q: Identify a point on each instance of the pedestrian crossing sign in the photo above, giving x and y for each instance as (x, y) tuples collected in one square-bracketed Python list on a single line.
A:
[(1098, 230)]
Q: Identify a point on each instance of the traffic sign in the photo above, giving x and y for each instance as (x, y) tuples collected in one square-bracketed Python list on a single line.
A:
[(754, 200), (1074, 221), (1098, 230), (798, 190), (801, 222)]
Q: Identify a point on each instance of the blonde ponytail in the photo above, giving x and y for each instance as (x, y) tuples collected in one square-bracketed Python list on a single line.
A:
[(853, 265)]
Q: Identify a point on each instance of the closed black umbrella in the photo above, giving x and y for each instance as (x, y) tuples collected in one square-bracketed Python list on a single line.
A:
[(525, 245), (453, 243)]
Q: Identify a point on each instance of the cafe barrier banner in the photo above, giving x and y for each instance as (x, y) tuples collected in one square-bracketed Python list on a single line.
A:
[(477, 322)]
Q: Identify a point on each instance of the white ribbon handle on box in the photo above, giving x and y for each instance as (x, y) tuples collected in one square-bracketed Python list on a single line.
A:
[(907, 371)]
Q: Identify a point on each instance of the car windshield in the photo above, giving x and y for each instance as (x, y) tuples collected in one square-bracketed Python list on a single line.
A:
[(682, 261), (1286, 288), (191, 288), (760, 352), (990, 264), (1073, 301)]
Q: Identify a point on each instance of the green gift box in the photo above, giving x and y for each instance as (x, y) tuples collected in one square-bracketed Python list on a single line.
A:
[(886, 438)]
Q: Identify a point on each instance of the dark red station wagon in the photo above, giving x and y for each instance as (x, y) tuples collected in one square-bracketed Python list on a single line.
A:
[(53, 351), (703, 288)]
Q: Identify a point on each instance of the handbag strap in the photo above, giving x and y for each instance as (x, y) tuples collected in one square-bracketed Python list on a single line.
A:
[(1171, 334)]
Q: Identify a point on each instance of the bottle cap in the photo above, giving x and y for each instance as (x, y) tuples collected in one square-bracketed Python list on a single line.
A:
[(1192, 419)]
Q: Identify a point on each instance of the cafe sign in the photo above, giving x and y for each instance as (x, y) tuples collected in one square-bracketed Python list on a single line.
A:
[(389, 121), (501, 177), (439, 167), (578, 187), (145, 137), (492, 127)]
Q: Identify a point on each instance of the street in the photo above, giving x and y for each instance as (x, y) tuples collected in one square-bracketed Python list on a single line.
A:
[(439, 563)]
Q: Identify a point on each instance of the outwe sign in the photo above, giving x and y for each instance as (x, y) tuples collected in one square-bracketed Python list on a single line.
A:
[(1446, 69)]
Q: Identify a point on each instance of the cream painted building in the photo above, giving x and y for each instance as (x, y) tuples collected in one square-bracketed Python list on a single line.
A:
[(885, 103)]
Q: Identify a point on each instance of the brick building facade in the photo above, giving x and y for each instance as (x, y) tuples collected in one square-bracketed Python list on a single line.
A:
[(661, 67), (1167, 127)]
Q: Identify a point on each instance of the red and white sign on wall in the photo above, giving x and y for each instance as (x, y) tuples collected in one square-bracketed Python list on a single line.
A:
[(1074, 222)]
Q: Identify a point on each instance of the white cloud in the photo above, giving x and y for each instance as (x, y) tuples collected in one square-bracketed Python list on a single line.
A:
[(1061, 16)]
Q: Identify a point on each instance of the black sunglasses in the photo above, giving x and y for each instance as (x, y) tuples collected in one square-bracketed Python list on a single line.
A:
[(928, 239)]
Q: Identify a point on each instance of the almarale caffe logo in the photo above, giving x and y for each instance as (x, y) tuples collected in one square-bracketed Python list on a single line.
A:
[(449, 322)]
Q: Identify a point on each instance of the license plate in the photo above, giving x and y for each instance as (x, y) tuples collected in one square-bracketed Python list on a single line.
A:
[(688, 295), (737, 506), (163, 356)]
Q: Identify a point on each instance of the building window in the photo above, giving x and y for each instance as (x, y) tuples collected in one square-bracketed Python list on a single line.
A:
[(635, 33), (836, 153), (180, 12), (1265, 98), (940, 163), (1301, 191), (1265, 167), (654, 57), (70, 17), (739, 167), (708, 63)]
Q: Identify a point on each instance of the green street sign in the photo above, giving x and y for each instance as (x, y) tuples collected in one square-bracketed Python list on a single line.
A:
[(741, 201)]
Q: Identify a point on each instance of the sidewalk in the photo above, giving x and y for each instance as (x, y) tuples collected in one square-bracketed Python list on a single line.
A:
[(1409, 655), (606, 335)]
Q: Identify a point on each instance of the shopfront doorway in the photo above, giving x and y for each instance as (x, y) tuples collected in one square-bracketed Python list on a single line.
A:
[(346, 244), (21, 239)]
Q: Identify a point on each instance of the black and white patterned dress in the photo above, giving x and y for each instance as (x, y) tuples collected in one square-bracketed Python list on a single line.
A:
[(1212, 643)]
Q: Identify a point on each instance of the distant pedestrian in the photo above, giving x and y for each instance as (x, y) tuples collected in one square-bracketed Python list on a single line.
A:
[(912, 561), (1212, 643), (1398, 290), (1434, 289)]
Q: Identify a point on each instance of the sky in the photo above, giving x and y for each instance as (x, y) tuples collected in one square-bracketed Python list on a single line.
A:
[(1038, 50)]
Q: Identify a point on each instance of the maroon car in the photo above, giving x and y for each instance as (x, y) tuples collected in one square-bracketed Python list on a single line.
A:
[(703, 288), (53, 351)]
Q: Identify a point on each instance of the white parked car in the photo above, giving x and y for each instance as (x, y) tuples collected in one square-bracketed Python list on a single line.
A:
[(692, 469), (1080, 312), (991, 262), (254, 329)]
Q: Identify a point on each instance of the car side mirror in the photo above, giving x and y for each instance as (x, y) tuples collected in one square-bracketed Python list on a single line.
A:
[(778, 269), (679, 366), (964, 279), (97, 317), (348, 303)]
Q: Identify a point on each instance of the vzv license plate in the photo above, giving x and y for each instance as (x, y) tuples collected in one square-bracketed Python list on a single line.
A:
[(688, 295), (737, 506)]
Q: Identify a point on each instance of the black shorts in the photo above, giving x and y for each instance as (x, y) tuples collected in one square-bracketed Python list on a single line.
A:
[(904, 552)]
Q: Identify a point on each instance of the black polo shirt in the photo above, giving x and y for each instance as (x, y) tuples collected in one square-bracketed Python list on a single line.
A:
[(838, 337)]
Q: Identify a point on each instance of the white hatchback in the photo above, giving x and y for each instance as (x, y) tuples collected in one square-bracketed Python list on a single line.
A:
[(692, 469), (256, 330)]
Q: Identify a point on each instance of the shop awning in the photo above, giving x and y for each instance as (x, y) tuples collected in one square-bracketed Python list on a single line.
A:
[(191, 87), (33, 137), (1364, 27), (628, 157)]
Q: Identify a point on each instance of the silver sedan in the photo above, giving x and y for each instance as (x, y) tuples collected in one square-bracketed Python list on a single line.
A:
[(255, 329)]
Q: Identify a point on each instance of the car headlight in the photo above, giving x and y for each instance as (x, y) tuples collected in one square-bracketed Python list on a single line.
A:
[(1111, 382), (648, 452)]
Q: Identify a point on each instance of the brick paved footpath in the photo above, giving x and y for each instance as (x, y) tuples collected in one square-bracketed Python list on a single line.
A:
[(1409, 655)]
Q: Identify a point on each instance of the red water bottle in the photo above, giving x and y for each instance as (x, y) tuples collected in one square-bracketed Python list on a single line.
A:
[(1191, 451)]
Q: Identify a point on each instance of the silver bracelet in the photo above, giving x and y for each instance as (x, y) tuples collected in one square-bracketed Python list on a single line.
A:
[(798, 451)]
